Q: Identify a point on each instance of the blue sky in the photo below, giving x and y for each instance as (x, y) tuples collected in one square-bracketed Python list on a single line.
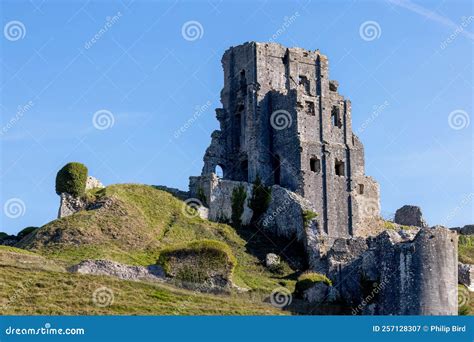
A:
[(410, 80)]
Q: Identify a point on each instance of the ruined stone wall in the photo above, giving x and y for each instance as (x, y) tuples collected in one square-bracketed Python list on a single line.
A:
[(283, 120)]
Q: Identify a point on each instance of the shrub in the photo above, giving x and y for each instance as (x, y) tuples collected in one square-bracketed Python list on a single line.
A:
[(308, 279), (25, 232), (201, 196), (239, 194), (260, 200), (199, 262), (308, 215), (72, 179)]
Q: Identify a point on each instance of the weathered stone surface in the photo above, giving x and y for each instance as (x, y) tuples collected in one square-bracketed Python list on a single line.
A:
[(320, 293), (282, 120), (70, 205), (272, 260), (466, 275), (92, 183), (285, 122), (115, 269), (410, 215)]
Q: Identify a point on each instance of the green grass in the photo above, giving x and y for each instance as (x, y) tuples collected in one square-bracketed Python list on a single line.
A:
[(396, 226), (140, 223), (308, 279), (308, 215), (29, 292), (466, 249)]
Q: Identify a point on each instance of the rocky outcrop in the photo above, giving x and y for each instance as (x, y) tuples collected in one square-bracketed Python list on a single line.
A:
[(93, 183), (466, 275), (272, 260), (115, 269), (70, 205), (410, 215)]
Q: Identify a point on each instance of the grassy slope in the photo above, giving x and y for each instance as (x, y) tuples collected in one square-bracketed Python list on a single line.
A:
[(141, 221), (41, 289), (466, 255)]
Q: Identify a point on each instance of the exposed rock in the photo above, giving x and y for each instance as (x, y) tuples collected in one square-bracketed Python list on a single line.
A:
[(93, 183), (115, 269), (320, 293), (70, 205), (467, 229), (410, 215), (203, 212), (272, 260), (466, 275)]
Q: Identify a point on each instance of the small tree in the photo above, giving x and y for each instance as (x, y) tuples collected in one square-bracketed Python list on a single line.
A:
[(260, 200), (72, 178)]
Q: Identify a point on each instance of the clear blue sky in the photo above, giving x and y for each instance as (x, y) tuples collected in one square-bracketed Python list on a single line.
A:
[(415, 71)]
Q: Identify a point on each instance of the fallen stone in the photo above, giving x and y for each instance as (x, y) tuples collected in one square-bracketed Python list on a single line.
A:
[(410, 215), (93, 183), (121, 271), (272, 260), (466, 275)]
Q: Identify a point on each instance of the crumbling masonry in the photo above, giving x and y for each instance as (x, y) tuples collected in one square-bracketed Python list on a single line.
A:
[(284, 121)]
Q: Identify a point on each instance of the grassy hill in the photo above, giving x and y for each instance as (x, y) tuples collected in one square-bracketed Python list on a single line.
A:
[(133, 224)]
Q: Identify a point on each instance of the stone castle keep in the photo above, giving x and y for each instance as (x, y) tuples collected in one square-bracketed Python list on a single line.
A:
[(283, 120)]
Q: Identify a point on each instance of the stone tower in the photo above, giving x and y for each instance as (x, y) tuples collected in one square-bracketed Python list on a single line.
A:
[(282, 119)]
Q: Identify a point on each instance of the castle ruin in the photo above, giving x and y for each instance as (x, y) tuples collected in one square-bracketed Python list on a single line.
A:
[(283, 120)]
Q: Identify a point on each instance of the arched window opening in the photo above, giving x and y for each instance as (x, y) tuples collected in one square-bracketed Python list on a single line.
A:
[(219, 171)]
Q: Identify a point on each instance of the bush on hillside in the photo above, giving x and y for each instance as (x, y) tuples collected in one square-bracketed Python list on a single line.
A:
[(308, 279), (72, 178), (203, 262), (260, 200)]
